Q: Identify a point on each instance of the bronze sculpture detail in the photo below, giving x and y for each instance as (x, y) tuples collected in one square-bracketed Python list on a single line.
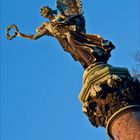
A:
[(68, 27), (106, 89)]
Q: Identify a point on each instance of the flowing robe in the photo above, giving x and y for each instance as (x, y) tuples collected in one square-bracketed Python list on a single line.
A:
[(85, 48)]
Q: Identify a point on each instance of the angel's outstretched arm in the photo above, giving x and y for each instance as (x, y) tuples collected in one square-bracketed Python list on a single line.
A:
[(35, 36)]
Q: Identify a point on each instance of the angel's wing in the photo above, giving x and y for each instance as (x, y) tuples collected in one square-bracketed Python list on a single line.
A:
[(72, 10), (69, 7)]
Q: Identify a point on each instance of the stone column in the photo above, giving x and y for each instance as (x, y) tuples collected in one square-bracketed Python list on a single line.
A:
[(111, 99), (125, 124)]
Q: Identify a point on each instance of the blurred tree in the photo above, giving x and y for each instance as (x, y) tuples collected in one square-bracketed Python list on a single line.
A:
[(136, 69)]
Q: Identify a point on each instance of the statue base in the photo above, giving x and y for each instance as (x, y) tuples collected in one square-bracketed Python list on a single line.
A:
[(107, 95)]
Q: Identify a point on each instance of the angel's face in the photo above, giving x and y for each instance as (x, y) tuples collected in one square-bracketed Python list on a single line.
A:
[(44, 12)]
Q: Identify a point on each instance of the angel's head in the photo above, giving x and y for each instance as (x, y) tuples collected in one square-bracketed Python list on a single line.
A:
[(47, 12)]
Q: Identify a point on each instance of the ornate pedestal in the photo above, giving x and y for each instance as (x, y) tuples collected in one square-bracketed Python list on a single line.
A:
[(109, 95)]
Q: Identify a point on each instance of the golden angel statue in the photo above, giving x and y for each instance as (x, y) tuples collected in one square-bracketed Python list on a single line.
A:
[(68, 27)]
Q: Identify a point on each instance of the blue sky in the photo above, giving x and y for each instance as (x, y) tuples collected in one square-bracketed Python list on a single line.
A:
[(40, 83)]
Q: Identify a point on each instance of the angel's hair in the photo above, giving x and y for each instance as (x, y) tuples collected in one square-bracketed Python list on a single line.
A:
[(48, 10)]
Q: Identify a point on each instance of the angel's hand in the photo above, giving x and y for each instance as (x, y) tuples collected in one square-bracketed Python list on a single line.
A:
[(18, 33)]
